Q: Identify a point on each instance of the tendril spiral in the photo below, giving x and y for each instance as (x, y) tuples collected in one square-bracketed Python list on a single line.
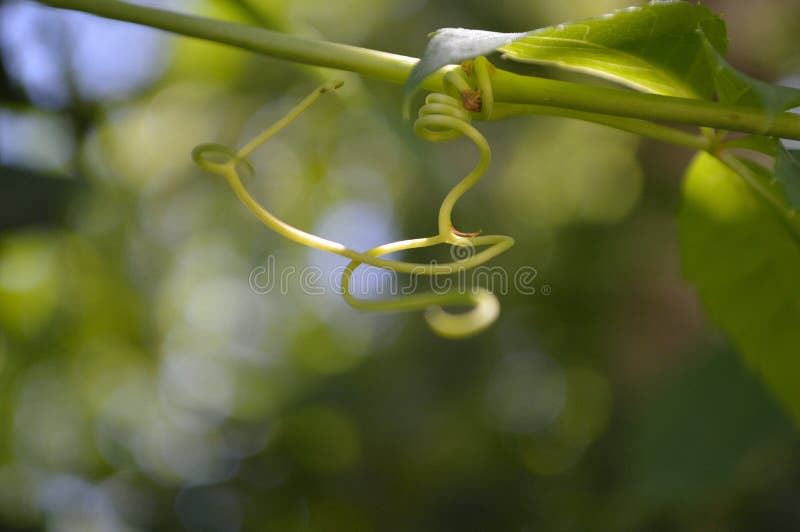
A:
[(445, 116)]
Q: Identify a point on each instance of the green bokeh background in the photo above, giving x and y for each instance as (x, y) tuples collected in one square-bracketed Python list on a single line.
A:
[(144, 385)]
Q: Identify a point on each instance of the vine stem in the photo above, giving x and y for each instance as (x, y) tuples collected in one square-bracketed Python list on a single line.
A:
[(514, 88), (509, 88), (373, 63)]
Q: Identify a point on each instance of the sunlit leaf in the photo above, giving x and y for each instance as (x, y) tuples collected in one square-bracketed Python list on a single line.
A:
[(745, 263), (787, 163), (656, 48)]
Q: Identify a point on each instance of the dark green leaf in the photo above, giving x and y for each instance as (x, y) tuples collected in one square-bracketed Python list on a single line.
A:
[(697, 436), (735, 87), (655, 48), (745, 263)]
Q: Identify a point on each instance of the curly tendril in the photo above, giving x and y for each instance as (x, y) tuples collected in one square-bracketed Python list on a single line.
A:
[(443, 117)]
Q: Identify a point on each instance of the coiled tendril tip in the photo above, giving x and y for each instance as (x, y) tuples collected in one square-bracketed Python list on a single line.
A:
[(214, 157), (442, 118)]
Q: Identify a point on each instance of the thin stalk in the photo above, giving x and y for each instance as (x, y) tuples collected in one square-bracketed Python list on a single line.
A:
[(631, 125), (514, 88), (766, 190), (508, 87)]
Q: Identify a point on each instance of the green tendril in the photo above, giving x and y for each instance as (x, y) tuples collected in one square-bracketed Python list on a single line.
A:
[(443, 117)]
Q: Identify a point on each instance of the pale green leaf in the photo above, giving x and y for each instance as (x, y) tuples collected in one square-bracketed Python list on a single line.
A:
[(655, 48), (745, 264), (452, 46)]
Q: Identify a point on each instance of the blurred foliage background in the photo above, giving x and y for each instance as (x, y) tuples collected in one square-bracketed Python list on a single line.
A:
[(145, 386)]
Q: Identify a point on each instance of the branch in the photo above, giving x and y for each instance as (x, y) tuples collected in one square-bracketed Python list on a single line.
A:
[(508, 87), (372, 63)]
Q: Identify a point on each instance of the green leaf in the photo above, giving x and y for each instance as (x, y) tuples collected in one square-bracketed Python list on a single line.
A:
[(695, 438), (735, 87), (787, 171), (656, 48), (450, 46), (746, 266)]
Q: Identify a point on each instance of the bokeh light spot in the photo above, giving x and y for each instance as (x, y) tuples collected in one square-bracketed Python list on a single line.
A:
[(599, 182), (29, 281), (526, 392)]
